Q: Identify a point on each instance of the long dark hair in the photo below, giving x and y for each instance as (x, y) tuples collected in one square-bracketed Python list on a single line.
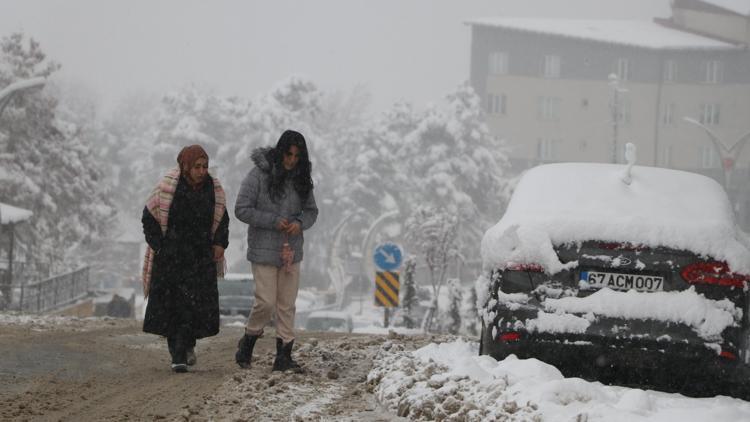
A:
[(301, 174)]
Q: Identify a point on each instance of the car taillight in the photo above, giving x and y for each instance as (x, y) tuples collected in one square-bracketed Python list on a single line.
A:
[(509, 336), (534, 268), (728, 355), (716, 273)]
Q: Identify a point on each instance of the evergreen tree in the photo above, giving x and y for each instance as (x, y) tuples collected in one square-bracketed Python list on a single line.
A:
[(49, 166)]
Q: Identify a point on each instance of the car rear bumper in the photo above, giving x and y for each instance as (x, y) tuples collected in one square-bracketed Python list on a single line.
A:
[(685, 368)]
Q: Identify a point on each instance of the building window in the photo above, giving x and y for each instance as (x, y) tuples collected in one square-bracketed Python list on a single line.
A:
[(668, 71), (712, 71), (667, 114), (665, 158), (623, 110), (551, 66), (623, 69), (498, 63), (709, 157), (709, 114), (546, 149), (496, 103), (548, 108)]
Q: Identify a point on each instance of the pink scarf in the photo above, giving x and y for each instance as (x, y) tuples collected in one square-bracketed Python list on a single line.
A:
[(158, 205)]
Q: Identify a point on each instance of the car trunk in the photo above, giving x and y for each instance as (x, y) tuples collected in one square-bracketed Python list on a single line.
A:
[(621, 267)]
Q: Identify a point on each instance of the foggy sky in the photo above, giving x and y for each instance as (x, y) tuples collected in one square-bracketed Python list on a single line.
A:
[(416, 50)]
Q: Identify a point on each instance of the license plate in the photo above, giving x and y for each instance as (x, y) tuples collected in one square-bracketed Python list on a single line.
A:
[(619, 281)]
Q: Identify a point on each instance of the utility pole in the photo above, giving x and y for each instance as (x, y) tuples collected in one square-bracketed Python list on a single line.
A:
[(616, 111)]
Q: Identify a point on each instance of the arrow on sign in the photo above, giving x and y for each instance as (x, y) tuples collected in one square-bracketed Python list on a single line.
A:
[(389, 258)]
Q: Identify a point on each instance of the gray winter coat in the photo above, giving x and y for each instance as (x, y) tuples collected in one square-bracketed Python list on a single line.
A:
[(255, 207)]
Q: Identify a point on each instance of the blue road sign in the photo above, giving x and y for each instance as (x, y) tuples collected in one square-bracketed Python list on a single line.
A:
[(387, 256)]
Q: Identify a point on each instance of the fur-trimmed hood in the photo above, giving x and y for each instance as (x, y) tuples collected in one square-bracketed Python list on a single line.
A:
[(259, 156)]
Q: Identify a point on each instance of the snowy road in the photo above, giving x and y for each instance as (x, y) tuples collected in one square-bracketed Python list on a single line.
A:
[(54, 369), (109, 370)]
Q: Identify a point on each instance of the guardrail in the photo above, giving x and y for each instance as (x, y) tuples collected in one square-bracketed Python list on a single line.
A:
[(54, 292)]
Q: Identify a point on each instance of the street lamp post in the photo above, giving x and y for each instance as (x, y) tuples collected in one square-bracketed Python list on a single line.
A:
[(616, 110), (728, 153), (7, 93)]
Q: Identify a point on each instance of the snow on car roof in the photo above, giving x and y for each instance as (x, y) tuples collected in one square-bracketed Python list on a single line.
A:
[(573, 202)]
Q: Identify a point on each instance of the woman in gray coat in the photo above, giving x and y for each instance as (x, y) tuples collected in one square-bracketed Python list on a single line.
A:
[(276, 201)]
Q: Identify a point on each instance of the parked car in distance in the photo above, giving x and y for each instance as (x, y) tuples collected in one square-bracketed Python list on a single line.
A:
[(633, 278), (236, 294), (336, 321)]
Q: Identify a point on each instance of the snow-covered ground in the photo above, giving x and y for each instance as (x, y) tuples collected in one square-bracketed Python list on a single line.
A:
[(449, 381)]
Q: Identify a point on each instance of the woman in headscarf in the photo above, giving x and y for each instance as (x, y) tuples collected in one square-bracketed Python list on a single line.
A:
[(187, 230), (276, 201)]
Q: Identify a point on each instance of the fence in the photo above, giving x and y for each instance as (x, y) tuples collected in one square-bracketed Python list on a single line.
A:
[(54, 292)]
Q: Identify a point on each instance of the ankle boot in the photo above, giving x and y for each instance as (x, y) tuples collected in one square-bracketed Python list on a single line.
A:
[(245, 351), (179, 353), (191, 358), (284, 359)]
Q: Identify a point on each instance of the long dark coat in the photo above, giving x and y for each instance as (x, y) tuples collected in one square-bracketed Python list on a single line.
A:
[(184, 299)]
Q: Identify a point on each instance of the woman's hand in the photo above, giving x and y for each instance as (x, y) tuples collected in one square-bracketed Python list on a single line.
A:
[(294, 228), (218, 253), (282, 225)]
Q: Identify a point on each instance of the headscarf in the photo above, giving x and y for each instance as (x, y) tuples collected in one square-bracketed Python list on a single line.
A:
[(189, 155), (187, 158)]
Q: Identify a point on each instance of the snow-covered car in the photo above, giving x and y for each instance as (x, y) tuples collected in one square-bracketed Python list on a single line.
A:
[(625, 275), (236, 294), (336, 321)]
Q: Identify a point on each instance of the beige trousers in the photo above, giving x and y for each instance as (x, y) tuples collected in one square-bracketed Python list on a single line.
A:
[(275, 290)]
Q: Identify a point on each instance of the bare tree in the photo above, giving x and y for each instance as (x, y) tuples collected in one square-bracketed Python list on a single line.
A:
[(433, 233), (410, 299), (455, 297)]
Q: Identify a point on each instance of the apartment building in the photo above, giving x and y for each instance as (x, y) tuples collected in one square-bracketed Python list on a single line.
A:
[(578, 90)]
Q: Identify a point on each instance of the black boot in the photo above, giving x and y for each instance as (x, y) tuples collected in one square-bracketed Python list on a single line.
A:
[(245, 351), (190, 354), (191, 358), (178, 351), (284, 359)]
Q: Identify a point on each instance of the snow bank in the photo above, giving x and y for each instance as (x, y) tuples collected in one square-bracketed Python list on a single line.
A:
[(446, 380), (574, 202)]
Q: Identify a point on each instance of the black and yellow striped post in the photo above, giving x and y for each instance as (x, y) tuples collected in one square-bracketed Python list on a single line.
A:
[(386, 292)]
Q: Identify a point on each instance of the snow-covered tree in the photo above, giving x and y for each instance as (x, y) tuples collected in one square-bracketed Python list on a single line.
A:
[(127, 146), (471, 321), (409, 299), (455, 164), (455, 302), (48, 165)]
